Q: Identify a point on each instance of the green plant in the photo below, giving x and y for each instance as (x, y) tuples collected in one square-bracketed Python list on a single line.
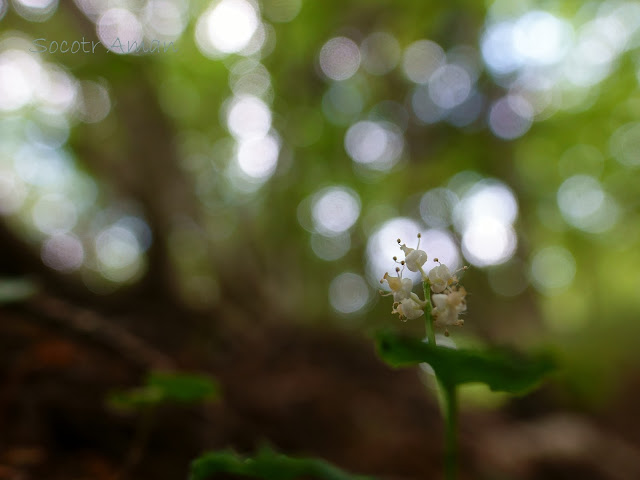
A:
[(267, 465), (500, 369), (167, 387)]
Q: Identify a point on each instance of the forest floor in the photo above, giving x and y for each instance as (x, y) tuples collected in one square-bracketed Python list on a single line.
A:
[(302, 391)]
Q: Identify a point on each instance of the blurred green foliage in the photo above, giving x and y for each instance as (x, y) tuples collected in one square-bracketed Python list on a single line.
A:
[(16, 290), (266, 465), (168, 388)]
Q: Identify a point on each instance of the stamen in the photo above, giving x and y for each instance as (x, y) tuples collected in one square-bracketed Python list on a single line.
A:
[(462, 269)]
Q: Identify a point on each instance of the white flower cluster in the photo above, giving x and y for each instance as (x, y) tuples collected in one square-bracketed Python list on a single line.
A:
[(447, 295)]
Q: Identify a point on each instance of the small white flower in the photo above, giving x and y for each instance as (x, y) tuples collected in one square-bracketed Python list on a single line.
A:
[(400, 287), (409, 308), (440, 278), (414, 258), (449, 306)]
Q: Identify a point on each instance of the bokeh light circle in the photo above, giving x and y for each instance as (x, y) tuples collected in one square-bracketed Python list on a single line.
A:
[(120, 31), (63, 252), (487, 241), (552, 269), (335, 210), (348, 293), (377, 145), (231, 25), (625, 144), (339, 58), (382, 247), (510, 117), (421, 60)]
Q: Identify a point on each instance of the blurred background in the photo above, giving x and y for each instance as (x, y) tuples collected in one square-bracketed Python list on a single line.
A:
[(217, 186)]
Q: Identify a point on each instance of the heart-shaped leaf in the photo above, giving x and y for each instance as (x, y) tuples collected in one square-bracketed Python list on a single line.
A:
[(502, 370)]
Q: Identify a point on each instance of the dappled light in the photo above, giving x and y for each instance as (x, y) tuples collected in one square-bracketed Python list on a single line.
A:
[(421, 60), (382, 246), (585, 205), (380, 53), (437, 207), (484, 216), (117, 252), (488, 242), (332, 247), (552, 269), (35, 10), (258, 157), (625, 144), (449, 86), (251, 78), (348, 293), (339, 58), (229, 26), (342, 102), (20, 76), (63, 252), (248, 117), (120, 30), (443, 247), (335, 210), (248, 189), (375, 145), (93, 104), (54, 214), (510, 117), (164, 19)]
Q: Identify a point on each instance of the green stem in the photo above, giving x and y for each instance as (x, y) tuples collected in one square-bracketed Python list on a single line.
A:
[(431, 336), (451, 431), (450, 399)]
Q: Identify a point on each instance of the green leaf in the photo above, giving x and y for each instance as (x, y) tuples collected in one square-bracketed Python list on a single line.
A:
[(267, 465), (168, 387), (16, 289), (184, 387), (501, 370)]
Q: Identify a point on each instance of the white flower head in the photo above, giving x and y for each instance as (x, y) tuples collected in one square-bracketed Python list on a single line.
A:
[(440, 278), (448, 306), (414, 258), (448, 298)]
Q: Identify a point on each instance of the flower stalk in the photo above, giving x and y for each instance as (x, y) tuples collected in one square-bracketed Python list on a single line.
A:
[(431, 334)]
